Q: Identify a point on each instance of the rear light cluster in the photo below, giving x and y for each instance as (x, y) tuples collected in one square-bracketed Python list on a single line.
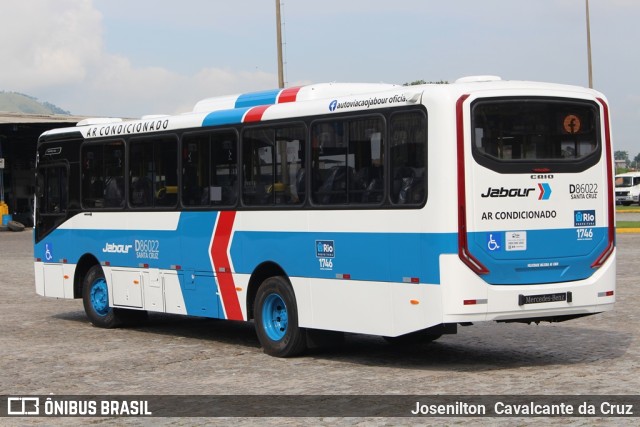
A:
[(611, 230), (605, 294), (463, 245), (475, 301)]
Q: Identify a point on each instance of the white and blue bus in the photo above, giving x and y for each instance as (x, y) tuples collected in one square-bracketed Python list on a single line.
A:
[(400, 211)]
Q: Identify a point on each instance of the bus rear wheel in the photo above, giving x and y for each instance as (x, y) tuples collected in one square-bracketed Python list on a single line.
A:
[(276, 319), (95, 297)]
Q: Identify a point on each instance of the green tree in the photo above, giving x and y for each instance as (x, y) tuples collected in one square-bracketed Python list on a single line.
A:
[(621, 155), (636, 161)]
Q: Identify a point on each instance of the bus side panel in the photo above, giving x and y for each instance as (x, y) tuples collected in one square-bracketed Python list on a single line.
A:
[(153, 290), (376, 308), (39, 278), (54, 285), (350, 272), (383, 257), (53, 278), (144, 248), (175, 300)]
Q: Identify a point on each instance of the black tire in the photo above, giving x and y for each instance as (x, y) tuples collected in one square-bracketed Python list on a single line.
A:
[(15, 226), (276, 319), (95, 297), (413, 338)]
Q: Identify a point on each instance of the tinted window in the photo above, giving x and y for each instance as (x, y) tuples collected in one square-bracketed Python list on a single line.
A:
[(53, 190), (273, 166), (408, 140), (534, 130), (103, 175), (209, 169), (153, 172), (347, 161)]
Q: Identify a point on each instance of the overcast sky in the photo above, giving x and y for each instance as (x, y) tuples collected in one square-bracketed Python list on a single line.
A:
[(128, 58)]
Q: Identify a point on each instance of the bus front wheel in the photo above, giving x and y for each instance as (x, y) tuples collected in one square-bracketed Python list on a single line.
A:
[(276, 319), (95, 297)]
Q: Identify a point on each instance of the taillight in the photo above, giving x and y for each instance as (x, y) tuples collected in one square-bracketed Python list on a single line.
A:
[(463, 244), (611, 230)]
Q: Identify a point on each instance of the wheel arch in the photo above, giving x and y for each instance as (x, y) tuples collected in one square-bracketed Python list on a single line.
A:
[(85, 263), (260, 274)]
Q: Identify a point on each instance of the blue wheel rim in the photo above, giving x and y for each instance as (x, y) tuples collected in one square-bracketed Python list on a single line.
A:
[(275, 317), (99, 297)]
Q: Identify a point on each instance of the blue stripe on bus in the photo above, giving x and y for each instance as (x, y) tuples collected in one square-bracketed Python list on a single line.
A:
[(198, 284), (187, 247), (225, 117), (559, 255), (383, 257), (254, 99)]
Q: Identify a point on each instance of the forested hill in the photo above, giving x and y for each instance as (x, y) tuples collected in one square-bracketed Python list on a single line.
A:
[(15, 102)]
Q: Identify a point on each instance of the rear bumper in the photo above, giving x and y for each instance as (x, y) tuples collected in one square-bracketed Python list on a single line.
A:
[(468, 298)]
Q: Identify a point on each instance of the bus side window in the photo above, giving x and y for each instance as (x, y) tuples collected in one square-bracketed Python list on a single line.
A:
[(103, 175), (408, 158), (272, 163), (140, 173), (347, 161), (141, 191), (153, 172), (113, 176), (195, 170), (92, 180), (114, 192), (223, 186), (209, 169), (52, 190)]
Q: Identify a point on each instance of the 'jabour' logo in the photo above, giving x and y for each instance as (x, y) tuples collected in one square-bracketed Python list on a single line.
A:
[(116, 249)]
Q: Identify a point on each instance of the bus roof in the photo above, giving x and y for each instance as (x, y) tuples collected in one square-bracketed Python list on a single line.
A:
[(298, 101), (292, 94)]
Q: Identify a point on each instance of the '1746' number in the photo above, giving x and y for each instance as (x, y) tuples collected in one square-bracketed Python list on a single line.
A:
[(584, 233)]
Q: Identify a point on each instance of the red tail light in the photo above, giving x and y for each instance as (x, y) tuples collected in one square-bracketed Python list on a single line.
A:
[(611, 230), (463, 244)]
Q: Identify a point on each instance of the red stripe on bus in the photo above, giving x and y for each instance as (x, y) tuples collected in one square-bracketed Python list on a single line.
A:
[(219, 247), (255, 114), (289, 95)]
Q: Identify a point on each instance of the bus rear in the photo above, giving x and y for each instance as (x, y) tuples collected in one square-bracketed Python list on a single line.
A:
[(535, 207)]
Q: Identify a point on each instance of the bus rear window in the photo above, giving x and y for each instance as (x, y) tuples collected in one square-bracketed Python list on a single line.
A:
[(532, 131)]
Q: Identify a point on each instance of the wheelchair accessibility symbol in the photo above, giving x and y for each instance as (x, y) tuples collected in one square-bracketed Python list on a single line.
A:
[(48, 251), (494, 241)]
